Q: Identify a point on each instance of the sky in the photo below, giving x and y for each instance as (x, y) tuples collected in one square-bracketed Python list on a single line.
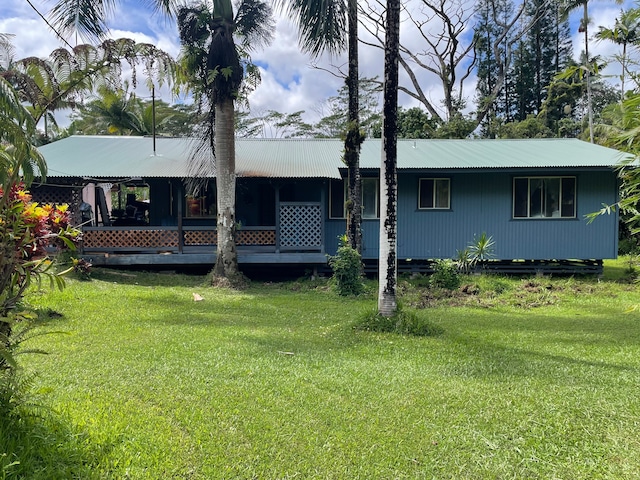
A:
[(291, 81)]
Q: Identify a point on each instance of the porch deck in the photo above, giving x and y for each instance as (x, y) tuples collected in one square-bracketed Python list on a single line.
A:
[(177, 245)]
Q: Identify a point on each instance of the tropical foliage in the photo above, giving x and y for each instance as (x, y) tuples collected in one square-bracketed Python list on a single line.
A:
[(68, 76), (623, 132), (26, 228), (121, 112), (347, 269)]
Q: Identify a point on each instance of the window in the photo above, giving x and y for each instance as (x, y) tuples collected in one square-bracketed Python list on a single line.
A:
[(370, 203), (130, 204), (338, 195), (434, 193), (337, 198), (201, 206), (544, 197)]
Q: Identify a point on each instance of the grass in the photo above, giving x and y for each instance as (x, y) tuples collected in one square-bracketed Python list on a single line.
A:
[(526, 378)]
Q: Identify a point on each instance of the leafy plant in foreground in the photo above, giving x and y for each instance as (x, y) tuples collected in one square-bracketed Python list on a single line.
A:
[(445, 275), (26, 230), (482, 249), (463, 260), (347, 269)]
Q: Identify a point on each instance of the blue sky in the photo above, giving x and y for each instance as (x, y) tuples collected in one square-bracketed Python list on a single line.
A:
[(289, 82)]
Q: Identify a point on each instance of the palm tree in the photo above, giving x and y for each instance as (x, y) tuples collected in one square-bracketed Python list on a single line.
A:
[(61, 80), (89, 18), (112, 112), (387, 266), (119, 112), (322, 28), (215, 65), (567, 7), (626, 31)]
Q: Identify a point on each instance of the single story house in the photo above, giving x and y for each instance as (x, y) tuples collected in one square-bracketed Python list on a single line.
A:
[(531, 196)]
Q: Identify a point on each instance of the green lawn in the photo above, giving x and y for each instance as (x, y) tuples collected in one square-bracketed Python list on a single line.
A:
[(530, 378)]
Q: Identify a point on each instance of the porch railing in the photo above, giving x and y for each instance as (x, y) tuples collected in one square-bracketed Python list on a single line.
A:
[(154, 239), (300, 228), (138, 239)]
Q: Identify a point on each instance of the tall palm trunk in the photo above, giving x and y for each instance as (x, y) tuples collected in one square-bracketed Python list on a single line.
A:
[(585, 20), (353, 138), (387, 266), (227, 257), (624, 68)]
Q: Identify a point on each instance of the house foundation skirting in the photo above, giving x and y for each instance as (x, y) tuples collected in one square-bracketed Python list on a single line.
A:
[(177, 259), (506, 267)]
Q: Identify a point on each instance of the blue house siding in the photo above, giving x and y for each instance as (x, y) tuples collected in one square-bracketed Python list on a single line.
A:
[(483, 202)]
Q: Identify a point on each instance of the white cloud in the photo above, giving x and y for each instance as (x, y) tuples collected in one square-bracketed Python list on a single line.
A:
[(289, 82)]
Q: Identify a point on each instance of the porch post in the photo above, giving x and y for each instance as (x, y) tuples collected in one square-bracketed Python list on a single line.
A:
[(179, 210), (323, 201), (277, 188)]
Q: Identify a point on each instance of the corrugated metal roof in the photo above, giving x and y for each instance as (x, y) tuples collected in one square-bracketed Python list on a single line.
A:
[(114, 157), (282, 158), (465, 154)]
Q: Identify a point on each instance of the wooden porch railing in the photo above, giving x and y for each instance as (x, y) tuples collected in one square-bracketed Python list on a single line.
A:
[(154, 239), (300, 227)]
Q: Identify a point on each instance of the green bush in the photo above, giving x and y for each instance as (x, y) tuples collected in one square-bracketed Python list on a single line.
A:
[(628, 246), (404, 322), (499, 285), (347, 270), (445, 275)]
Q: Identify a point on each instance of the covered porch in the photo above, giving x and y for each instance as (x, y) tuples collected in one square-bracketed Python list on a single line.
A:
[(296, 238)]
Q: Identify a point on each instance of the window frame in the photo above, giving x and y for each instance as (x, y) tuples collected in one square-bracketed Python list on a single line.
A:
[(435, 180), (376, 190), (543, 199), (346, 195)]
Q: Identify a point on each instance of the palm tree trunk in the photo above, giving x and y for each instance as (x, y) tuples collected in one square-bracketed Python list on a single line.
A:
[(624, 67), (353, 138), (227, 257), (387, 265), (585, 19)]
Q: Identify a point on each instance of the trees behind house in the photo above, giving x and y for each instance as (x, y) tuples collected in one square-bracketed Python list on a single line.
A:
[(68, 76), (121, 112)]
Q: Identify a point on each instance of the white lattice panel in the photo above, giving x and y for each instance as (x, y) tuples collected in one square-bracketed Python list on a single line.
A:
[(300, 226)]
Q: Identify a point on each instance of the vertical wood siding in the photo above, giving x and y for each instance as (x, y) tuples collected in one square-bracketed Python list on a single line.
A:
[(482, 202)]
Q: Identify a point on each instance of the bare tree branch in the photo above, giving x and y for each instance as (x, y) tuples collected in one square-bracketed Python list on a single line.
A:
[(449, 53)]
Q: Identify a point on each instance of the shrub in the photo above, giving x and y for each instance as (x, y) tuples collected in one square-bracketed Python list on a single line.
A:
[(445, 275), (628, 246), (404, 322), (347, 270), (26, 230), (463, 261), (499, 285), (482, 249)]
